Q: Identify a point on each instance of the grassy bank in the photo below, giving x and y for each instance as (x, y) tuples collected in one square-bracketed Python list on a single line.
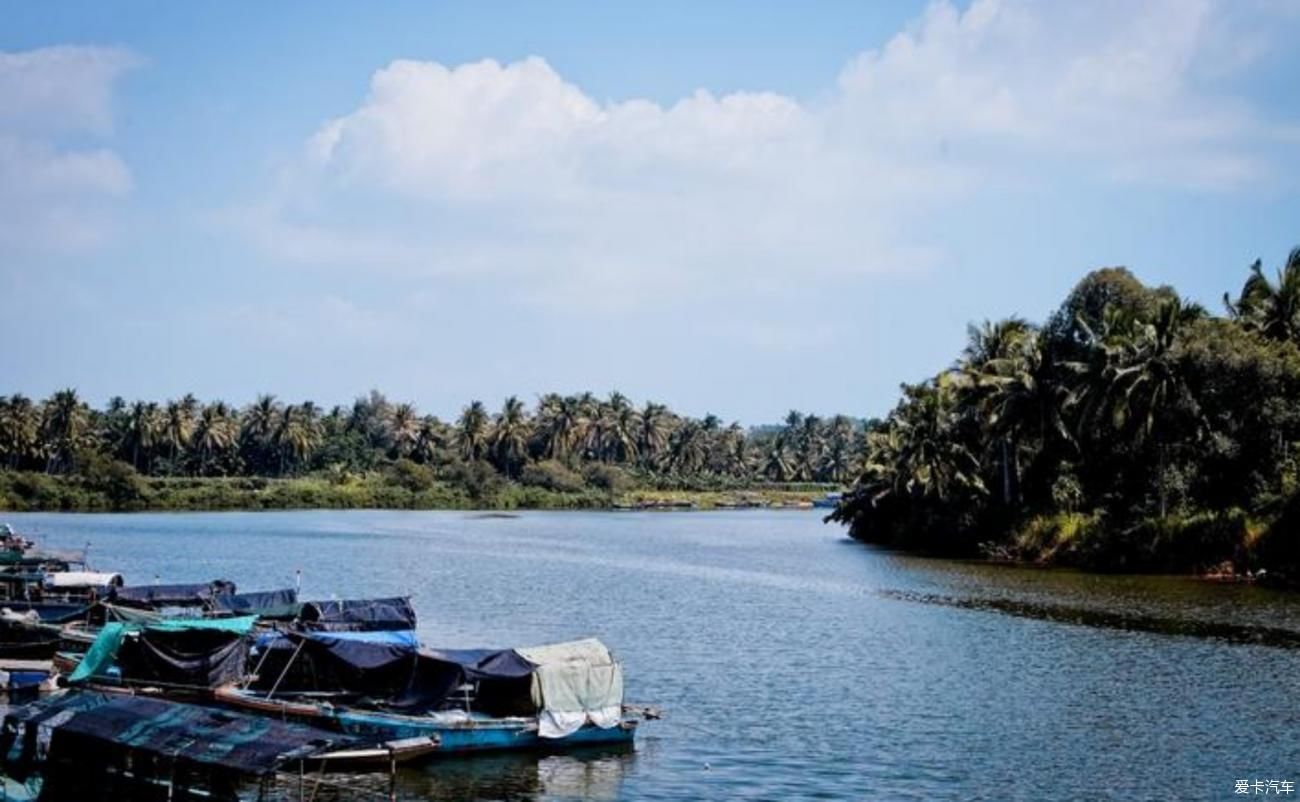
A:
[(1223, 544), (122, 490)]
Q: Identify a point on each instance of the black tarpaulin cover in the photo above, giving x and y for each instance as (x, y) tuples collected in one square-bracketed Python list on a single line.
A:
[(194, 658), (359, 615), (91, 728), (191, 595), (389, 668), (483, 663), (266, 603)]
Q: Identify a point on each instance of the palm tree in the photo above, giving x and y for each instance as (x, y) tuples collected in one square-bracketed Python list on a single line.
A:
[(812, 443), (655, 429), (430, 437), (215, 432), (929, 458), (562, 425), (141, 431), (841, 457), (403, 428), (294, 436), (619, 428), (776, 465), (688, 448), (472, 431), (177, 425), (260, 421), (1133, 382), (1015, 386), (19, 430), (63, 428), (1272, 309), (261, 417), (510, 436), (734, 452)]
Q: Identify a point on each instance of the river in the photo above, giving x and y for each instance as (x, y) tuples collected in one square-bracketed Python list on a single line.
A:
[(793, 663)]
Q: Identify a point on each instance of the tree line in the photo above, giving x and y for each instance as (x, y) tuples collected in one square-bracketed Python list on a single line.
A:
[(268, 438), (1133, 429)]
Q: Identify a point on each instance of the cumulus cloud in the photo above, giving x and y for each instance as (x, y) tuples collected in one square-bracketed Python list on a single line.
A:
[(511, 170), (55, 189)]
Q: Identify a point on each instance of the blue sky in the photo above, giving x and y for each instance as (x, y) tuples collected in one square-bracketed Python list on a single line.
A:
[(736, 208)]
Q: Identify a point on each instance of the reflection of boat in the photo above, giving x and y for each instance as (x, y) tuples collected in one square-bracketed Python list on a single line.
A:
[(470, 700), (593, 774)]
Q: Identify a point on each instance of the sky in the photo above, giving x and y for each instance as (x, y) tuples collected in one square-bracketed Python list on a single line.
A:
[(731, 207)]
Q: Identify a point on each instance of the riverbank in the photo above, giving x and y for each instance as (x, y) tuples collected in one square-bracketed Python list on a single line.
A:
[(123, 491), (1227, 546)]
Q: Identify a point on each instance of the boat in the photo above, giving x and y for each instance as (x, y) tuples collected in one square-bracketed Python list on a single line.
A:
[(378, 685), (26, 679), (830, 500), (384, 685), (83, 744)]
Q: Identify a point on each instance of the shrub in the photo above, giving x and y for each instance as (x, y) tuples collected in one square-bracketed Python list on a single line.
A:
[(608, 477), (412, 475), (551, 475)]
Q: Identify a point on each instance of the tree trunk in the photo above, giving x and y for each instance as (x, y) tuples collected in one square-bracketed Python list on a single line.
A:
[(1006, 475), (1161, 448)]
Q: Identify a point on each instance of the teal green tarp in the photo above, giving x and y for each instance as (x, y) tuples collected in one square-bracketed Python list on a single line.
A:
[(101, 654)]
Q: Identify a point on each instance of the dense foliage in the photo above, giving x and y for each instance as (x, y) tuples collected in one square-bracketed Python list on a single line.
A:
[(1133, 430), (61, 453)]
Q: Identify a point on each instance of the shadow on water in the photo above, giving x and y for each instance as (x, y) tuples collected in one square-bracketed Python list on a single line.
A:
[(588, 774), (594, 774), (1237, 634)]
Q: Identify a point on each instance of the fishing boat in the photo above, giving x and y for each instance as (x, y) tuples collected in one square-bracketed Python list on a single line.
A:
[(84, 744), (384, 685), (378, 685)]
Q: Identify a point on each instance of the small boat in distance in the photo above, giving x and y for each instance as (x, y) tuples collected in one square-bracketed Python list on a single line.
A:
[(828, 501)]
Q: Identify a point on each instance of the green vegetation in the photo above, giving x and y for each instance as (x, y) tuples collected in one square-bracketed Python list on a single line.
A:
[(570, 452), (1132, 431)]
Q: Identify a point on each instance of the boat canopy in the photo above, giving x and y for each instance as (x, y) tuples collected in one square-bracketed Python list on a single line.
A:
[(189, 595), (197, 652), (389, 669), (266, 603), (359, 615), (575, 683), (83, 579), (93, 728)]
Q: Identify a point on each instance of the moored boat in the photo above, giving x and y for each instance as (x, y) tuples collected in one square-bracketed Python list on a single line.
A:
[(384, 685)]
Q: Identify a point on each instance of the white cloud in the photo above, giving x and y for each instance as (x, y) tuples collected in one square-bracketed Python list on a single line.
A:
[(56, 190), (511, 170)]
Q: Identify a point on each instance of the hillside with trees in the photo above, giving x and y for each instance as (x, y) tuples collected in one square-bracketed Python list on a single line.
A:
[(1132, 430), (568, 450)]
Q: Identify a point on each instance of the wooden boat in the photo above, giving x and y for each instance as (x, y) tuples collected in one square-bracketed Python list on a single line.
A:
[(78, 744), (468, 700), (453, 731)]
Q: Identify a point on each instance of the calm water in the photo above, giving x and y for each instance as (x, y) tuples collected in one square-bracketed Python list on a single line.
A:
[(793, 663)]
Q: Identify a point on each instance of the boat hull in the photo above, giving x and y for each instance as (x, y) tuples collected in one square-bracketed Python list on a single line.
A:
[(453, 737), (479, 735)]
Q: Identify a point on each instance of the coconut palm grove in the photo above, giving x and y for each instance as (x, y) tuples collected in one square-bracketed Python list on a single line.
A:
[(570, 450), (1130, 430)]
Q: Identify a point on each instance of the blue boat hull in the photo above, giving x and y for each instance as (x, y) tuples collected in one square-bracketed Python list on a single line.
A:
[(456, 736), (477, 735)]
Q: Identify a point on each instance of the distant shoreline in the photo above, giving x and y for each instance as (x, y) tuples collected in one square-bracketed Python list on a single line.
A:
[(37, 492)]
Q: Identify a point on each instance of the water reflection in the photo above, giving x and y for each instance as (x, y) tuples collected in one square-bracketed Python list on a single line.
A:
[(1245, 634), (584, 774), (589, 774)]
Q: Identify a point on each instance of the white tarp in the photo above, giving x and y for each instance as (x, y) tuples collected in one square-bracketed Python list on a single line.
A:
[(82, 579), (575, 683)]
